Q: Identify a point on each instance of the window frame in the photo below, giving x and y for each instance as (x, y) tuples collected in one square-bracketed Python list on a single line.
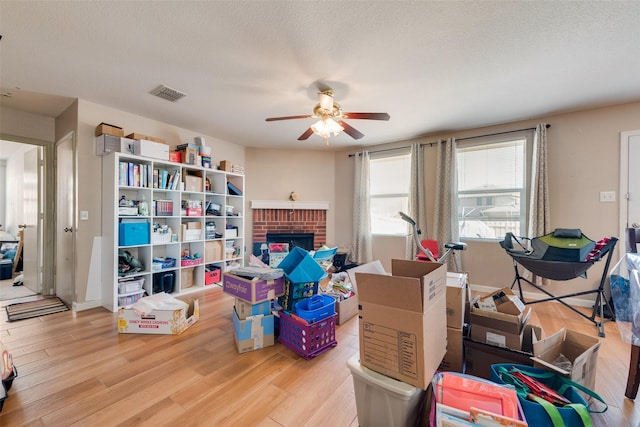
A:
[(381, 155), (525, 192)]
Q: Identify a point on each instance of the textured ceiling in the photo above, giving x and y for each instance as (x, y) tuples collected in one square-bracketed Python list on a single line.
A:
[(433, 66)]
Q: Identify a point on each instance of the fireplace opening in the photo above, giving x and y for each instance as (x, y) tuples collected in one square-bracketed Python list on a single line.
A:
[(303, 240)]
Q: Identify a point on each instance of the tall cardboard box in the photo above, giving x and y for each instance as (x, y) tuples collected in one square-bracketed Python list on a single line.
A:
[(456, 299), (402, 321), (580, 349)]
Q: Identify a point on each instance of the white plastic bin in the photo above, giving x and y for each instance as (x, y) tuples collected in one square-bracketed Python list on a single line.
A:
[(381, 400)]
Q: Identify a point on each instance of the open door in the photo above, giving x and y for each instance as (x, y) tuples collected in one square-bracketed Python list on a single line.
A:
[(33, 216), (65, 220), (629, 180)]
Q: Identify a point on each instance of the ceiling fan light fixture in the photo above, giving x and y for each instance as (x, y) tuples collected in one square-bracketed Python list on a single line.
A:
[(326, 128)]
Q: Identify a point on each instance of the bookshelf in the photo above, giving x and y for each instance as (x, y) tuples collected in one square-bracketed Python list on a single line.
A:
[(157, 211)]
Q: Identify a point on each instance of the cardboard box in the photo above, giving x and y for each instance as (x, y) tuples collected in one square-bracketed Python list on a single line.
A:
[(497, 337), (478, 357), (189, 156), (193, 183), (252, 291), (254, 333), (503, 301), (191, 231), (213, 251), (456, 299), (402, 321), (346, 309), (508, 323), (245, 309), (580, 349), (154, 150), (106, 129), (453, 360), (169, 321), (186, 278), (146, 137), (225, 165), (106, 144)]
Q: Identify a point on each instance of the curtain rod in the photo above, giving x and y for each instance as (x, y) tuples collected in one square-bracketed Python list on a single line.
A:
[(380, 151), (497, 133), (457, 139)]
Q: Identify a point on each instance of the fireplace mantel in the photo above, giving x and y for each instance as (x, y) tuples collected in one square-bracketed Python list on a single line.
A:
[(287, 204)]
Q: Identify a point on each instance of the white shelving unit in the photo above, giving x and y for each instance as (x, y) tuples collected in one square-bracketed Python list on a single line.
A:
[(202, 213)]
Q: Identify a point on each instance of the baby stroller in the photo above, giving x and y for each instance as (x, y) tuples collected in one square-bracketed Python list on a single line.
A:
[(429, 248), (564, 254)]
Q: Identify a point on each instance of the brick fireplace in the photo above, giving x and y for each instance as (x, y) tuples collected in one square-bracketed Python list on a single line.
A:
[(290, 217)]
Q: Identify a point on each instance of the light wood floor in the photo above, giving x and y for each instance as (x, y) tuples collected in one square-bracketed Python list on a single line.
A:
[(75, 369)]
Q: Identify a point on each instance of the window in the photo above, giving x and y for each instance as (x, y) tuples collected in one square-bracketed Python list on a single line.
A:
[(492, 188), (389, 180)]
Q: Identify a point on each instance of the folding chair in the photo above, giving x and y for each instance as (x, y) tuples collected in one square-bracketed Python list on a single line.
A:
[(564, 254)]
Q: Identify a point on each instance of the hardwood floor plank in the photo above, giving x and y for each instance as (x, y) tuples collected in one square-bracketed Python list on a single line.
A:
[(74, 368)]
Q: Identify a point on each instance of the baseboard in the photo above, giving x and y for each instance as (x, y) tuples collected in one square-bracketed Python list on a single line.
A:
[(534, 296), (87, 305)]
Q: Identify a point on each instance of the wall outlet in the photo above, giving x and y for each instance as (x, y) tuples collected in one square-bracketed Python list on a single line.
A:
[(607, 196)]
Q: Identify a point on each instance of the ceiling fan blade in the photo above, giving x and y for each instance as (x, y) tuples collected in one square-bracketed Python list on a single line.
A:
[(273, 119), (368, 116), (350, 130), (306, 134)]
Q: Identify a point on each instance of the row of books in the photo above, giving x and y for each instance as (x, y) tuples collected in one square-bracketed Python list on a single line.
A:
[(142, 175), (163, 207), (134, 175)]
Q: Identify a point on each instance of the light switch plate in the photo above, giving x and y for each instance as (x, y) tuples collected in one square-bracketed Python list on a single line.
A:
[(607, 196)]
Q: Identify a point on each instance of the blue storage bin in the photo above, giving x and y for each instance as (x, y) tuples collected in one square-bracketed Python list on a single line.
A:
[(6, 269), (300, 267), (316, 308), (133, 233)]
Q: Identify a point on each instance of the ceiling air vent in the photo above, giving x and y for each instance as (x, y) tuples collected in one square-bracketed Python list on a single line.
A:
[(167, 93)]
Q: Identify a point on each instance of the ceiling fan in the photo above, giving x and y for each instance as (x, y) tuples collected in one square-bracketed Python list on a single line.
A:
[(331, 117)]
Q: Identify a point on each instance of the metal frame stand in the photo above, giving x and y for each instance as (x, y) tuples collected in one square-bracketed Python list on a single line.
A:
[(598, 307)]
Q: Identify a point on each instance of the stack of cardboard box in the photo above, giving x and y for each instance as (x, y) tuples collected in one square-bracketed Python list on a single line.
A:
[(253, 321)]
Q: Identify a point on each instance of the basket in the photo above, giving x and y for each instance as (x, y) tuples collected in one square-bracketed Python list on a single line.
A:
[(130, 286), (130, 299), (190, 262), (316, 308), (307, 339)]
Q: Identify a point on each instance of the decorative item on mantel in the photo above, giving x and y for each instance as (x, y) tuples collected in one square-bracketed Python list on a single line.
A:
[(294, 196)]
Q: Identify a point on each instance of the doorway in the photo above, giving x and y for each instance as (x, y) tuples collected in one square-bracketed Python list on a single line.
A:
[(22, 214), (629, 180)]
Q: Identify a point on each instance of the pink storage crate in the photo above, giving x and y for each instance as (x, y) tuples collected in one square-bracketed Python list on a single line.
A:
[(307, 339)]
